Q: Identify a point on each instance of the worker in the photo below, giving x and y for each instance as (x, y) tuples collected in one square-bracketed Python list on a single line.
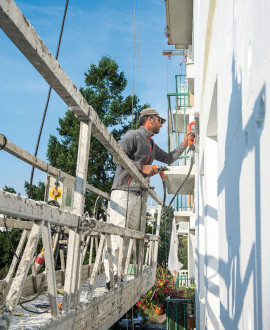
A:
[(126, 194)]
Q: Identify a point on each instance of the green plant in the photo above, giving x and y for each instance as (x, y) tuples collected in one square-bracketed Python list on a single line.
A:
[(163, 288)]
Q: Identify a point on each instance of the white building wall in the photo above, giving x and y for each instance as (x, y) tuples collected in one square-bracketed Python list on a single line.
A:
[(232, 64)]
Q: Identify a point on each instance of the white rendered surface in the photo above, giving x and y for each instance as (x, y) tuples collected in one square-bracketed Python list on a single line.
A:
[(231, 56)]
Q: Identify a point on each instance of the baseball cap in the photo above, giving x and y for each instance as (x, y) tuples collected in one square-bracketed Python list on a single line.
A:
[(151, 112)]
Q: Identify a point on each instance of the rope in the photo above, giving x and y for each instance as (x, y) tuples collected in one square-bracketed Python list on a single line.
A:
[(5, 142), (134, 46), (47, 101), (137, 114)]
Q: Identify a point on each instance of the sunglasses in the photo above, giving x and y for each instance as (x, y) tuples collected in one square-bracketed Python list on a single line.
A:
[(162, 121)]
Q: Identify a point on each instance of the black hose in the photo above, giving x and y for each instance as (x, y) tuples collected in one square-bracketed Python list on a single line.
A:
[(190, 168), (164, 194), (32, 311)]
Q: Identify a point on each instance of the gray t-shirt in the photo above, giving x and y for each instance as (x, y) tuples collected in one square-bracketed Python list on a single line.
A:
[(142, 150)]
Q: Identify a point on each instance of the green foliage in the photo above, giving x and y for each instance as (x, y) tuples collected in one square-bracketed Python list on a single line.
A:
[(182, 251), (165, 238), (165, 235), (5, 248), (6, 255), (9, 189), (163, 288), (38, 192), (104, 85)]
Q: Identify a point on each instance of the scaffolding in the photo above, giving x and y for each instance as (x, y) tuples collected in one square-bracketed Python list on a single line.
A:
[(83, 302)]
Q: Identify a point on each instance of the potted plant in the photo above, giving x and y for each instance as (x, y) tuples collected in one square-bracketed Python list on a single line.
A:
[(156, 296)]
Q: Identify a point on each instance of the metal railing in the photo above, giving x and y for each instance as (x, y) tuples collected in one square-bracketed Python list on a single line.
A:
[(177, 123)]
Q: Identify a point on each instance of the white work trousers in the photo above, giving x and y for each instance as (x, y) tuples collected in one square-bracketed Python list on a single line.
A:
[(124, 211)]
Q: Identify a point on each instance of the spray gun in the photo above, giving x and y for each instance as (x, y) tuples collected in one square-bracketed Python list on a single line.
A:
[(161, 170), (191, 142)]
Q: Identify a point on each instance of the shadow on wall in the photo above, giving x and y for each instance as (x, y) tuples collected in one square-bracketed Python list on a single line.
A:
[(239, 142)]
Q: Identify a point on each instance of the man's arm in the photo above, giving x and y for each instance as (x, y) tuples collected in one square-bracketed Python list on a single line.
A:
[(172, 156)]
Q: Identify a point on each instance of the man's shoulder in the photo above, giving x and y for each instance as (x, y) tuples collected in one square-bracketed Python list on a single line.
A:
[(140, 132), (131, 133)]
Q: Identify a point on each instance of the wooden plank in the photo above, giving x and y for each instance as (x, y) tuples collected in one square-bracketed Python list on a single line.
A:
[(15, 259), (15, 290), (109, 228), (147, 254), (28, 288), (130, 246), (19, 206), (110, 260), (68, 295), (120, 261), (76, 273), (91, 250), (150, 254), (23, 35), (143, 211), (140, 256), (85, 248), (101, 312), (135, 258), (13, 223), (50, 268), (25, 156), (78, 207), (96, 267), (159, 213), (82, 166), (34, 274), (62, 260)]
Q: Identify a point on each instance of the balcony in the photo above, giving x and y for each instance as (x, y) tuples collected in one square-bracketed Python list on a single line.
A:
[(181, 118), (174, 178), (179, 19)]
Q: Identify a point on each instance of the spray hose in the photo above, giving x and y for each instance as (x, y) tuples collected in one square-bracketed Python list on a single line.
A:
[(191, 144), (190, 169)]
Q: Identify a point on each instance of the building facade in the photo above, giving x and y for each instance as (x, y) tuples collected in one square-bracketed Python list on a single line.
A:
[(228, 46)]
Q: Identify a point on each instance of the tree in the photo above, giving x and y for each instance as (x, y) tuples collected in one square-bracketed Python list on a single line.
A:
[(182, 251), (9, 189), (38, 191), (103, 91), (165, 235), (5, 242), (165, 238)]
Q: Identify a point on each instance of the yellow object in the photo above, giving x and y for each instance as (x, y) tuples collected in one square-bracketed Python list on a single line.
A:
[(55, 193)]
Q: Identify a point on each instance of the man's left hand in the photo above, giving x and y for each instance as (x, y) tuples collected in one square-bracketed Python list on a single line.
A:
[(188, 136)]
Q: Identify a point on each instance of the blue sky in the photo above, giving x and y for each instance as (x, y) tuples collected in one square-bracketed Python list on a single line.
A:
[(92, 29)]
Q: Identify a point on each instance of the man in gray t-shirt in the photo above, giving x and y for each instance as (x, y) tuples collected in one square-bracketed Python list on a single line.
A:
[(125, 203)]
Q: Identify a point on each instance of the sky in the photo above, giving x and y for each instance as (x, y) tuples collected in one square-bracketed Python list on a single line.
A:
[(92, 29)]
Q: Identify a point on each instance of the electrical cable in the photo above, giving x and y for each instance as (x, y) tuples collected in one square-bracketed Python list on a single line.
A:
[(134, 47), (137, 114), (32, 311), (36, 295), (47, 102)]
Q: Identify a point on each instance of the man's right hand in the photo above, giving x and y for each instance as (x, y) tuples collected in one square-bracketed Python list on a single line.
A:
[(148, 170)]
